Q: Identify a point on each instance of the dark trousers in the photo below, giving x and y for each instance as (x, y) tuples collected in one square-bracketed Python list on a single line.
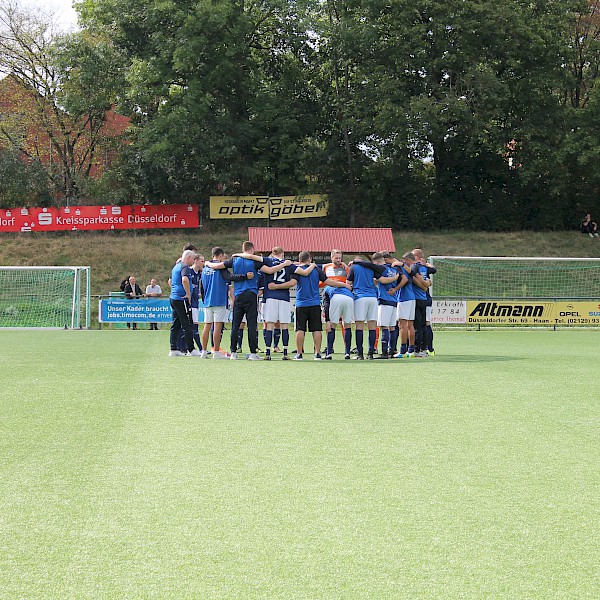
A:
[(245, 304), (420, 322), (182, 321)]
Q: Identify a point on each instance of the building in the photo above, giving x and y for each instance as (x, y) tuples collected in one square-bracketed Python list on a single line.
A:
[(41, 131)]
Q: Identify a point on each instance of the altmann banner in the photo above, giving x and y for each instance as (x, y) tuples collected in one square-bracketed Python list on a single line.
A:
[(268, 207), (507, 312), (500, 312), (86, 218)]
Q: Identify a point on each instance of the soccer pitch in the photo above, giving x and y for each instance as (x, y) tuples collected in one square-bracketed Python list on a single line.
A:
[(126, 474)]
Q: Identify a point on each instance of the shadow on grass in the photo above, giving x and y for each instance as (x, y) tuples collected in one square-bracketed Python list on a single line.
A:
[(451, 358), (468, 358)]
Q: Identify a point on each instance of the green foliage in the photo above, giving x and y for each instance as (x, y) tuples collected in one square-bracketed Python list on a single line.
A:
[(216, 93), (22, 182), (90, 74), (406, 113), (59, 90)]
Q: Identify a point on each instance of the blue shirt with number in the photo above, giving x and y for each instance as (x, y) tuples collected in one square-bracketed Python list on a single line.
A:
[(282, 276)]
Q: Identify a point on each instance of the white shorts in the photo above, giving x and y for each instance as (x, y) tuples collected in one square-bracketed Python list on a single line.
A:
[(387, 316), (406, 310), (365, 309), (195, 312), (428, 312), (341, 306), (277, 310), (215, 314)]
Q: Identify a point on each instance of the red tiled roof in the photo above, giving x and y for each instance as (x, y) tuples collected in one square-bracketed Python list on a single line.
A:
[(322, 239)]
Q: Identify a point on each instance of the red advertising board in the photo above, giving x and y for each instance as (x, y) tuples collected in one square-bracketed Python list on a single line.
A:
[(93, 218)]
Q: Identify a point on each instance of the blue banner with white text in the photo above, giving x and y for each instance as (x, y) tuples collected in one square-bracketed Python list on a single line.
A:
[(143, 310)]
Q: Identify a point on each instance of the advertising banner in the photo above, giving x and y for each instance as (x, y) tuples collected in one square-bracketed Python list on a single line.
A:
[(577, 313), (298, 207), (449, 311), (268, 207), (143, 310), (94, 218), (509, 312), (501, 312), (239, 207)]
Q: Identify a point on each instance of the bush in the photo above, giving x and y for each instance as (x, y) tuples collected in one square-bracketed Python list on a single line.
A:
[(23, 182)]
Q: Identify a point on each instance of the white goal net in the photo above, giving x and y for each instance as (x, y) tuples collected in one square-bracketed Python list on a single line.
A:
[(516, 277), (45, 297)]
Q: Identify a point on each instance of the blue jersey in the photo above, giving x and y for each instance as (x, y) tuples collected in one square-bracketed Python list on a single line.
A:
[(262, 284), (215, 286), (241, 266), (406, 291), (424, 271), (177, 290), (397, 270), (382, 289), (307, 288), (362, 278), (332, 291), (282, 276), (195, 287)]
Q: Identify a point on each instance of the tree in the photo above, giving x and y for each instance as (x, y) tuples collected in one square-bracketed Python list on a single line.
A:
[(584, 64), (216, 91), (22, 182), (407, 112), (580, 150), (64, 89)]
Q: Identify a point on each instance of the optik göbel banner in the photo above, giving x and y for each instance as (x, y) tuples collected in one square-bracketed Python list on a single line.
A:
[(268, 207)]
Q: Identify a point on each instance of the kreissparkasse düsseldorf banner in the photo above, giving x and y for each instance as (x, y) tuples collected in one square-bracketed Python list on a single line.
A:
[(94, 218), (268, 207)]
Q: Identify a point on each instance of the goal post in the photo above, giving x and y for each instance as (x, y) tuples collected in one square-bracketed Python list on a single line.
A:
[(516, 291), (481, 277), (45, 297)]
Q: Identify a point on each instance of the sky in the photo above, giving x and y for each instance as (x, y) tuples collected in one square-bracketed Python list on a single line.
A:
[(66, 16)]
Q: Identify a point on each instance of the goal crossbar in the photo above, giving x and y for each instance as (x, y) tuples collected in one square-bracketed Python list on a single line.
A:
[(513, 258)]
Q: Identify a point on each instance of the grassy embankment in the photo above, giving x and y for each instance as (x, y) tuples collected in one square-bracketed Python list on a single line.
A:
[(113, 256)]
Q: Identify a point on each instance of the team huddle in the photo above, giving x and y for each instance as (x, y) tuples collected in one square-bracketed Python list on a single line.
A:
[(388, 295)]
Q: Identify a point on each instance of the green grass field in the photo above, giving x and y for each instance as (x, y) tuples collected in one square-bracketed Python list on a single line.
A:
[(125, 474)]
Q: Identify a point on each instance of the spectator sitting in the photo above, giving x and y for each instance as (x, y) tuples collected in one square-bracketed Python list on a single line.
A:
[(132, 291), (588, 226), (153, 290)]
